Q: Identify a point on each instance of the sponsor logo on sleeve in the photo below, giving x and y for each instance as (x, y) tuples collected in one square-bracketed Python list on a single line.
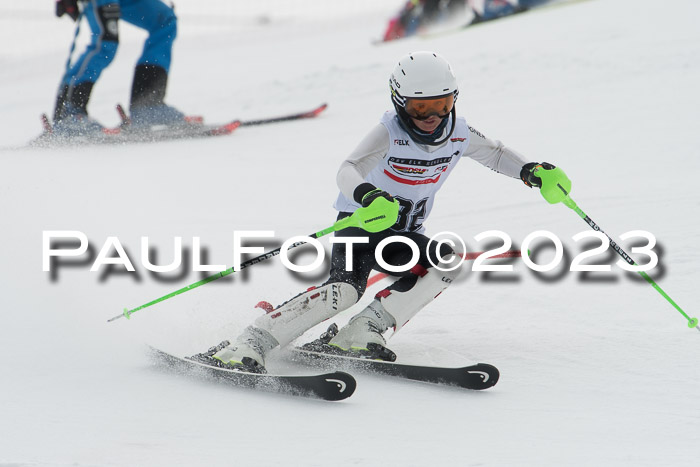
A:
[(476, 132)]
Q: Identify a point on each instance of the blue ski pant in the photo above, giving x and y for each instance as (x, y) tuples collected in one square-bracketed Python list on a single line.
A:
[(102, 15)]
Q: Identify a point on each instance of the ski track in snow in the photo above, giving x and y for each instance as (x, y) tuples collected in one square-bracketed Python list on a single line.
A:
[(593, 372)]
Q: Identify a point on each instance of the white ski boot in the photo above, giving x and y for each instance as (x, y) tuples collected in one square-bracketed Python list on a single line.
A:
[(280, 326), (360, 338), (364, 328), (248, 352)]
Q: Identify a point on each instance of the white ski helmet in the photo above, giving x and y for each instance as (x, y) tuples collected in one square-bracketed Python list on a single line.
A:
[(424, 78)]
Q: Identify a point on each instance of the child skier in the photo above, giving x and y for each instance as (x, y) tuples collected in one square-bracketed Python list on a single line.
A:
[(151, 73), (406, 157)]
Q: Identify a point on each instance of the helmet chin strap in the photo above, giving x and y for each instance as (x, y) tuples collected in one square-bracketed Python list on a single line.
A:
[(414, 131)]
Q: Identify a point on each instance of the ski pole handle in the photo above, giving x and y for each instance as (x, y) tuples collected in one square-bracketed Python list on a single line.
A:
[(378, 216)]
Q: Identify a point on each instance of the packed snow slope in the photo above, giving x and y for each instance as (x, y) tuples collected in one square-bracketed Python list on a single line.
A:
[(596, 369)]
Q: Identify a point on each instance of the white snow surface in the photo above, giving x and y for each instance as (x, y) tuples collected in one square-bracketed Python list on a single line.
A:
[(595, 371)]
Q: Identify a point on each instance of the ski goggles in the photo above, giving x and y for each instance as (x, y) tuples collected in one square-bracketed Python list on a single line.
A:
[(423, 108)]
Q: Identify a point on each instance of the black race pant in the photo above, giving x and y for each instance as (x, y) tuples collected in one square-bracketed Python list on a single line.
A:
[(394, 254)]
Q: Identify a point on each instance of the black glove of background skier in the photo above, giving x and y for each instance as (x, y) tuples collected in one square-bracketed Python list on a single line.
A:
[(68, 7), (528, 176)]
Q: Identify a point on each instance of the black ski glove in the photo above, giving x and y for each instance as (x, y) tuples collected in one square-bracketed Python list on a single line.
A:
[(374, 194), (366, 193), (528, 176), (68, 7)]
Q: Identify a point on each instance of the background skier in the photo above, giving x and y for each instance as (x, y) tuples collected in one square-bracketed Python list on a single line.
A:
[(151, 73)]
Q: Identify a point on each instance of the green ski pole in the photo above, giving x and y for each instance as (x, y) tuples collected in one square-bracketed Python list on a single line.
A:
[(378, 216), (556, 187)]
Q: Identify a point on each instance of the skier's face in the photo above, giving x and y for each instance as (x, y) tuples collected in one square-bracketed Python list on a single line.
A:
[(429, 125)]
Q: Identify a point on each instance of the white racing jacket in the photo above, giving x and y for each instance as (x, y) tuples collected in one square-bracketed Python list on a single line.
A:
[(413, 173)]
